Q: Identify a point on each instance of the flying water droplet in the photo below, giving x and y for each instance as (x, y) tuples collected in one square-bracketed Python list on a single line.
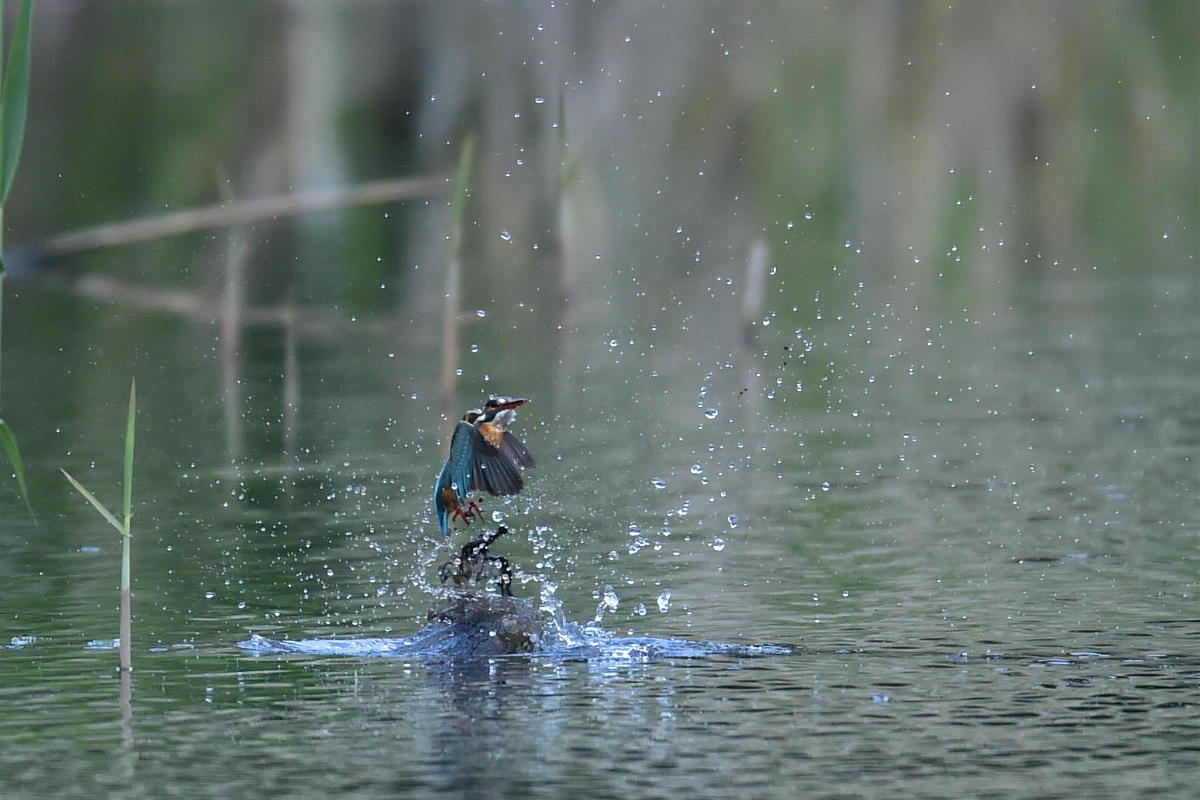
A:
[(733, 520), (711, 413), (634, 529), (664, 601), (717, 544), (505, 235), (640, 610), (658, 483), (697, 469), (610, 601)]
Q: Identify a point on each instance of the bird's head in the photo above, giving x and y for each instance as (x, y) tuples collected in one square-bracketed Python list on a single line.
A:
[(496, 407)]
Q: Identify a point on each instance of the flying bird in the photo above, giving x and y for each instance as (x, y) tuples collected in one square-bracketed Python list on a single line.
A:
[(484, 457)]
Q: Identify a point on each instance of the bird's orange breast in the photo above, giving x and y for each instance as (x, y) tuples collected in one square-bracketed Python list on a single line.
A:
[(493, 433)]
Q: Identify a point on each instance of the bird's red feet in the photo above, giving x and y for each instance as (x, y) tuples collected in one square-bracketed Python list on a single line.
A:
[(472, 510)]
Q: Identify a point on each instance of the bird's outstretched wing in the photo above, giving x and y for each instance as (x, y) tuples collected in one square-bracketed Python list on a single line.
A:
[(514, 450), (493, 471)]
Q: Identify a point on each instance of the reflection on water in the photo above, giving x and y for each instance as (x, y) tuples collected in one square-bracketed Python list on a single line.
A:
[(920, 715)]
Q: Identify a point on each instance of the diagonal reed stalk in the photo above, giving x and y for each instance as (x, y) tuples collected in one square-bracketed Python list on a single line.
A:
[(144, 229), (14, 100), (125, 528)]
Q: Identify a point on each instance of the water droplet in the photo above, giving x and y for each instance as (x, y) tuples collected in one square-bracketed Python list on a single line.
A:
[(640, 610), (610, 600), (733, 520), (658, 483), (474, 348), (697, 469), (664, 601), (506, 236), (808, 215), (209, 595), (539, 100), (481, 313), (711, 413), (717, 544)]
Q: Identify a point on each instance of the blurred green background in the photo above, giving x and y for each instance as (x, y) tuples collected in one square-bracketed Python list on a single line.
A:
[(986, 140)]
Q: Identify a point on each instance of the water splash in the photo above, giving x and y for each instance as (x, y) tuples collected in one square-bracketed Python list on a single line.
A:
[(664, 601), (560, 640)]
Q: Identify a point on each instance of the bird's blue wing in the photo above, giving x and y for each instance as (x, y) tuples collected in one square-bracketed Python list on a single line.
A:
[(457, 472), (460, 464)]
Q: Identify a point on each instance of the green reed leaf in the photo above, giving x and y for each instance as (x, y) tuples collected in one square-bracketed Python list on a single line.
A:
[(14, 98), (129, 452), (91, 498), (9, 439)]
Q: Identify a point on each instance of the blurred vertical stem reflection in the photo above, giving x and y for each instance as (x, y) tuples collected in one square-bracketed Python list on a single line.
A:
[(450, 320)]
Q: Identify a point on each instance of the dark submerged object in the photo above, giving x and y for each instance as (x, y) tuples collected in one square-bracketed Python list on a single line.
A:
[(474, 623), (485, 457), (475, 565)]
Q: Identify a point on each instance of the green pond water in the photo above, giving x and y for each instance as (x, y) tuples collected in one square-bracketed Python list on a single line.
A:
[(986, 566), (868, 332)]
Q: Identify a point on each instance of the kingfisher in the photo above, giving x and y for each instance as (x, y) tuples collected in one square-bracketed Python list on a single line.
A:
[(484, 456)]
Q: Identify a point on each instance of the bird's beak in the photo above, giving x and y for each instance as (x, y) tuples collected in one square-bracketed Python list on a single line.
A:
[(511, 402)]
